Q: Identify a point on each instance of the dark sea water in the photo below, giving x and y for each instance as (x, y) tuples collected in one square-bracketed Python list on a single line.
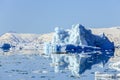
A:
[(82, 66)]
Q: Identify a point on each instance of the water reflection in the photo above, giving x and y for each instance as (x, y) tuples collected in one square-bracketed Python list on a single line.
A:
[(78, 63), (31, 65)]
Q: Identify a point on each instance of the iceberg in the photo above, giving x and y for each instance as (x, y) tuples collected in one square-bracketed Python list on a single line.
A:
[(6, 47), (77, 39)]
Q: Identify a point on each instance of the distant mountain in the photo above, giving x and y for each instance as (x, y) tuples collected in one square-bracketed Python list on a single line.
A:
[(16, 38), (24, 41), (35, 41)]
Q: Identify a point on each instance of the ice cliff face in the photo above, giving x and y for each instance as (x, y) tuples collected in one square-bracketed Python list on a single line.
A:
[(76, 37)]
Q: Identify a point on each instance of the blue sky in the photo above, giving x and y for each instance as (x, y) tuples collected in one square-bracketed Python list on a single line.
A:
[(41, 16)]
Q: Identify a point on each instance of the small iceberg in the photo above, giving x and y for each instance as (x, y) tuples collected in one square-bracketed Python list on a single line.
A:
[(6, 47)]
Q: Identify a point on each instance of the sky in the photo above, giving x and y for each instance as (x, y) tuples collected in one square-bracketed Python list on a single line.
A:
[(42, 16)]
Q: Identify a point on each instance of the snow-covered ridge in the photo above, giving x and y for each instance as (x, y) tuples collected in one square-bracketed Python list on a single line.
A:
[(16, 37), (24, 41), (35, 41)]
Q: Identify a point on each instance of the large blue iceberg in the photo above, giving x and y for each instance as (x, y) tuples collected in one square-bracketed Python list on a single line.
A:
[(76, 40)]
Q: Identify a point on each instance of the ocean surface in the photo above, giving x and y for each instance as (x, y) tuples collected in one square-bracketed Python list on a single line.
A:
[(32, 65)]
